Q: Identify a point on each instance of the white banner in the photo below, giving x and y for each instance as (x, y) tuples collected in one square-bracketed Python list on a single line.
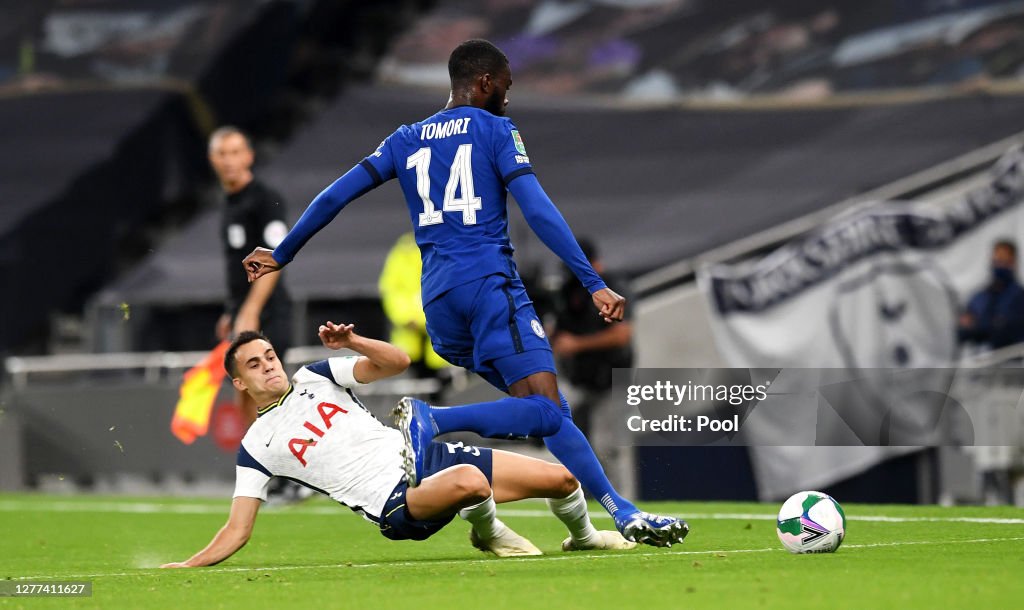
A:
[(878, 287)]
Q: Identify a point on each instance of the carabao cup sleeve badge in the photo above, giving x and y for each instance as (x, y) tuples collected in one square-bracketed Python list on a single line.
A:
[(518, 139)]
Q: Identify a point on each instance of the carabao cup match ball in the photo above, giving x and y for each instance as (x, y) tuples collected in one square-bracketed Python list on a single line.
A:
[(811, 522)]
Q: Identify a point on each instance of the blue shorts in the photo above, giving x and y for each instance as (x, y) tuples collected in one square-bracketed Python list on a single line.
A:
[(395, 522), (489, 326)]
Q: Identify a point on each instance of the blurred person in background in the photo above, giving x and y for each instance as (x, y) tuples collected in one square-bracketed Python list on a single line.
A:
[(995, 314), (253, 215), (402, 301), (587, 349)]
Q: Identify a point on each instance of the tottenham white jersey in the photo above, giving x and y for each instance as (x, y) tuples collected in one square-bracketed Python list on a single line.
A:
[(320, 435)]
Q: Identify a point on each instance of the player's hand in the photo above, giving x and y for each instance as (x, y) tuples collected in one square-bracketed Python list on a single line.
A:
[(176, 564), (259, 263), (223, 328), (610, 304), (336, 336)]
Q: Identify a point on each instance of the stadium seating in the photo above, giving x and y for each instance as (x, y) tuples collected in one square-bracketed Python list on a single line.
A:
[(791, 49), (104, 107), (648, 133), (677, 183)]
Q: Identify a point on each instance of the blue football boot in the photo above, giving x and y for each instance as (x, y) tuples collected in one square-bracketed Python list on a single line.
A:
[(413, 418), (654, 530)]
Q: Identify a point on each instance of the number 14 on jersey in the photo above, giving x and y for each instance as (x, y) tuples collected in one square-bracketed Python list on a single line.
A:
[(459, 180)]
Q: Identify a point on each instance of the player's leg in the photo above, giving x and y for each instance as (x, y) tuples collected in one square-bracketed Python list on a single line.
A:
[(455, 320), (494, 318), (568, 444), (470, 326), (572, 449), (510, 339), (444, 494), (516, 477), (432, 505), (493, 321), (462, 483), (506, 419)]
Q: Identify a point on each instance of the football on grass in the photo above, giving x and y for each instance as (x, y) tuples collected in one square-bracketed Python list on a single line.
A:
[(811, 522)]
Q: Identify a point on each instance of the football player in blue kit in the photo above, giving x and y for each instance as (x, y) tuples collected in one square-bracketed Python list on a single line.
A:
[(455, 169)]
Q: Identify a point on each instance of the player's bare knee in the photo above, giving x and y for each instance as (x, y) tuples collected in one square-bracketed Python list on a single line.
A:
[(569, 483), (542, 384), (564, 483), (471, 486)]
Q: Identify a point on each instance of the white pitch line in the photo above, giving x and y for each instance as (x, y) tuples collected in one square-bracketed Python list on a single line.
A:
[(210, 509), (884, 519), (512, 512), (443, 562)]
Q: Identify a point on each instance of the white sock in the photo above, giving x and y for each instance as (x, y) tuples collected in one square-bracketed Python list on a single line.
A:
[(572, 511), (483, 518)]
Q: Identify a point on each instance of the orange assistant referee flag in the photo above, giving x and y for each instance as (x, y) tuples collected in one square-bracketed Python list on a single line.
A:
[(198, 391)]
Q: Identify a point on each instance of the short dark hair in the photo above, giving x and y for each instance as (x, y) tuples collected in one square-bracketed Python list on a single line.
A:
[(475, 58), (1009, 244), (246, 336)]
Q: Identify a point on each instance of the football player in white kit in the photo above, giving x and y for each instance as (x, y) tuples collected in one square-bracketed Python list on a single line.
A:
[(315, 431)]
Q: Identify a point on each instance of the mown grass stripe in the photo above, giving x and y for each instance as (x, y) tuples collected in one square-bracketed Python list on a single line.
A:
[(443, 562), (217, 509)]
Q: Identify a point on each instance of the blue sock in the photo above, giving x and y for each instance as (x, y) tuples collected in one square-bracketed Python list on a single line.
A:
[(534, 416), (575, 453)]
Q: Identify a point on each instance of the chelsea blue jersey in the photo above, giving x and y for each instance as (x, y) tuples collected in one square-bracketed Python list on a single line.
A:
[(454, 168)]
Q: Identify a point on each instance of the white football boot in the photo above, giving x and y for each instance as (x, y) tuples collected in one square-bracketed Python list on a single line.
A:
[(604, 541), (506, 543)]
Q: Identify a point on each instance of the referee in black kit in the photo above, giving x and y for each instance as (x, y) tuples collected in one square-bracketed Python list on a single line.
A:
[(253, 216)]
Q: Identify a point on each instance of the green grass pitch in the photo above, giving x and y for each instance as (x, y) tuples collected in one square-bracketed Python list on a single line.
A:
[(320, 555)]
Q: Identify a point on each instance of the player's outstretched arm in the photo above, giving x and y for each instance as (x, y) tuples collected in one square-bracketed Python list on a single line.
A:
[(320, 212), (549, 225), (229, 539), (547, 222), (248, 316), (379, 359)]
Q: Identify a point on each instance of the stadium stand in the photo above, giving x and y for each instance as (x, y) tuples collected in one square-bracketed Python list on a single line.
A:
[(103, 124), (678, 183), (740, 171), (106, 105), (683, 125), (700, 49)]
